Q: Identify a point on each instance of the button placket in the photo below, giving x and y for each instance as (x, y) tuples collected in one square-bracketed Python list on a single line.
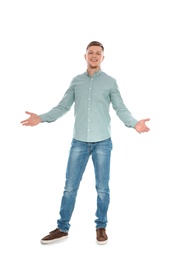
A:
[(89, 106)]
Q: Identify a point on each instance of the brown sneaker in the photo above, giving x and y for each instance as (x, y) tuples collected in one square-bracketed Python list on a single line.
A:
[(101, 236), (55, 235)]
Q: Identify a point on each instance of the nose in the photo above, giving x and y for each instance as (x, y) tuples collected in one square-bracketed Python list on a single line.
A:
[(94, 54)]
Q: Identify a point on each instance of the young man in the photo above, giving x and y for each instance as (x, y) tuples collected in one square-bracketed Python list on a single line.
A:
[(92, 92)]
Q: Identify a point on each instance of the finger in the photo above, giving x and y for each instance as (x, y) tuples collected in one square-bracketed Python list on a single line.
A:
[(147, 119), (24, 121), (147, 130), (29, 113), (27, 124)]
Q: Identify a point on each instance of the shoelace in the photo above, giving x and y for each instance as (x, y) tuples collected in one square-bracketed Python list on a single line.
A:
[(54, 231)]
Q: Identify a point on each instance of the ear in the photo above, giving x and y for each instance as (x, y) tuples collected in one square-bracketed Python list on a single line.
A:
[(85, 56)]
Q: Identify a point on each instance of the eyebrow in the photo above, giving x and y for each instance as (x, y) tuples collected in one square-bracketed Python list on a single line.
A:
[(93, 51)]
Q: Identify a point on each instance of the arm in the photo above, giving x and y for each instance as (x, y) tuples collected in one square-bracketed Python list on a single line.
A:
[(124, 114), (62, 108), (121, 110), (55, 113)]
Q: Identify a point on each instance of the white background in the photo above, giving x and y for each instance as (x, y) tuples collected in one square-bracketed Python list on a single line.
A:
[(42, 46)]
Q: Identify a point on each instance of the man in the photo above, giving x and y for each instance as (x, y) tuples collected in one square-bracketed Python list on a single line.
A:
[(92, 92)]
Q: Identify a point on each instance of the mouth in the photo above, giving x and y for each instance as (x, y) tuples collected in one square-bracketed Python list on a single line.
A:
[(93, 60)]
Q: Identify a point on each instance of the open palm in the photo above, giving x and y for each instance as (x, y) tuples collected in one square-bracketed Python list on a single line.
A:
[(141, 126), (33, 120)]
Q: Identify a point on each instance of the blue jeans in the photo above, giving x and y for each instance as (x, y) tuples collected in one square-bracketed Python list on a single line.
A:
[(78, 158)]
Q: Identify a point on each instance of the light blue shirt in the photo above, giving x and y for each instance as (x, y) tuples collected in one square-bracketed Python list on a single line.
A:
[(92, 96)]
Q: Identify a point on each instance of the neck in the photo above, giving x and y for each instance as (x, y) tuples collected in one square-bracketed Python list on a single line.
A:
[(91, 71)]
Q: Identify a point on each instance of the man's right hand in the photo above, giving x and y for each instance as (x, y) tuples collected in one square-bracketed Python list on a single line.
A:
[(33, 120)]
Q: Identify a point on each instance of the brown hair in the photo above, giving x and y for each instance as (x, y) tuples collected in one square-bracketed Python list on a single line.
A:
[(95, 43)]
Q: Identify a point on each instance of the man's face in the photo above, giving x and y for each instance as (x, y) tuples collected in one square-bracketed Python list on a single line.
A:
[(94, 56)]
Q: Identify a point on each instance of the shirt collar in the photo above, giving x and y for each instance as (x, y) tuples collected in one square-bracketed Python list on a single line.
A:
[(95, 73)]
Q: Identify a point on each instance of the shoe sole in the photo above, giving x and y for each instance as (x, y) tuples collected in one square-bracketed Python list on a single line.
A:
[(101, 242), (53, 240)]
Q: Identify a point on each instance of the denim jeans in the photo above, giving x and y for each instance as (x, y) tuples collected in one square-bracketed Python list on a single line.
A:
[(78, 158)]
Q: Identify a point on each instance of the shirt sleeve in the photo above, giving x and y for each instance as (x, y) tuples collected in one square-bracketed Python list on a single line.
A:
[(62, 108), (121, 110)]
